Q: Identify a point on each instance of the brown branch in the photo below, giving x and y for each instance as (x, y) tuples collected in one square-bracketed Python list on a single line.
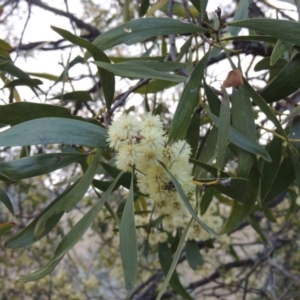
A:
[(79, 23), (24, 29), (120, 100), (218, 273), (49, 45)]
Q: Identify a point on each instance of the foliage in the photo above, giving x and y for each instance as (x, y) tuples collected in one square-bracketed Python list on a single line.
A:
[(176, 174)]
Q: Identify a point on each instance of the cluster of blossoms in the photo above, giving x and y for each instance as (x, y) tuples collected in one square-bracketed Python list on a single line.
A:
[(143, 144), (155, 236), (211, 219)]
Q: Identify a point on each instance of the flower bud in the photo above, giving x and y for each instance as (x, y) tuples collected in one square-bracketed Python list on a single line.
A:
[(234, 79), (218, 12)]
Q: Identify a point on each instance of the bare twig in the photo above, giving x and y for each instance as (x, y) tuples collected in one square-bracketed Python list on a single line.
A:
[(24, 29), (120, 100), (187, 11)]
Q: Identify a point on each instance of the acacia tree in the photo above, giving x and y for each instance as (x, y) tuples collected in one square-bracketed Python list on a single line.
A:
[(189, 181)]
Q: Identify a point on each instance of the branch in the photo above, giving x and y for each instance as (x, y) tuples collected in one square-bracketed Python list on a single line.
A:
[(218, 273), (261, 257), (24, 29), (253, 48), (120, 100), (50, 45), (79, 23), (258, 215)]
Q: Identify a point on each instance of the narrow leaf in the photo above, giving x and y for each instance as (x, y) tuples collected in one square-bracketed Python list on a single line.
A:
[(203, 5), (258, 38), (193, 255), (27, 237), (125, 179), (257, 228), (270, 169), (72, 237), (239, 212), (192, 136), (295, 134), (156, 6), (284, 178), (107, 78), (102, 185), (128, 242), (174, 263), (143, 7), (72, 63), (265, 108), (6, 227), (224, 127), (66, 203), (213, 100), (54, 131), (8, 67), (74, 96), (285, 30), (44, 75), (141, 29), (267, 212), (187, 203), (122, 59), (134, 70), (188, 102), (263, 205), (285, 83), (240, 140), (38, 164), (206, 151), (243, 120), (40, 273), (162, 66), (6, 201), (206, 200), (155, 86), (265, 64), (210, 169), (293, 113), (274, 70), (235, 188), (280, 48), (184, 48), (5, 49), (165, 260), (23, 81), (15, 113), (179, 10), (241, 13)]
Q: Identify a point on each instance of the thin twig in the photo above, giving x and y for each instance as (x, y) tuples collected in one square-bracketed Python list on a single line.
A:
[(79, 23), (23, 31), (187, 11)]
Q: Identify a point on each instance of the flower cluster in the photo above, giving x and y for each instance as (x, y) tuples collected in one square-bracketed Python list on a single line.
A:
[(155, 236), (143, 144), (211, 219)]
